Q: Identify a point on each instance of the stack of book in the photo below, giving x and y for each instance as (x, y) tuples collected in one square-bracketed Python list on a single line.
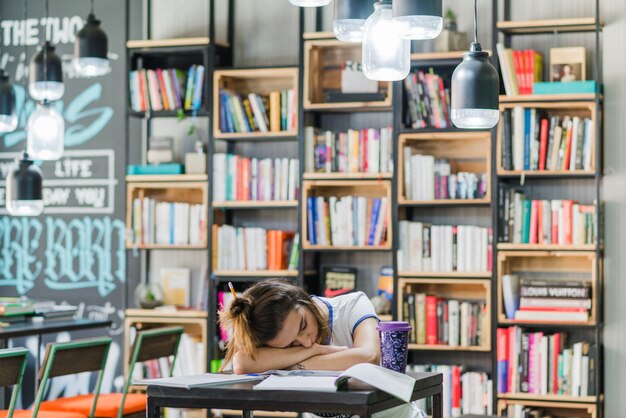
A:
[(562, 222), (427, 178), (520, 69), (347, 221), (167, 223), (439, 321), (464, 392), (541, 363), (257, 113), (533, 140), (428, 101), (253, 249), (444, 248), (354, 151), (554, 300), (241, 178), (166, 89)]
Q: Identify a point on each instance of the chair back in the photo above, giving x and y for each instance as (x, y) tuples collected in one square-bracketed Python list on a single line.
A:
[(12, 366), (62, 359)]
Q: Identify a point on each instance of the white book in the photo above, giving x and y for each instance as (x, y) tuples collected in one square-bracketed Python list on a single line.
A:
[(278, 170), (219, 178), (543, 369), (334, 224), (429, 168), (556, 146), (349, 220), (408, 174), (517, 225), (257, 113), (385, 156), (588, 150), (284, 179), (321, 219), (464, 324), (518, 138), (415, 250), (552, 316), (584, 368), (309, 149), (262, 251), (577, 359), (575, 134), (293, 179), (362, 205), (201, 380), (504, 70), (403, 251), (254, 179), (448, 248), (418, 181), (373, 151), (453, 326)]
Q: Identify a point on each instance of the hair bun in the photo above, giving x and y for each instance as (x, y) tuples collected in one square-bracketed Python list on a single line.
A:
[(240, 305)]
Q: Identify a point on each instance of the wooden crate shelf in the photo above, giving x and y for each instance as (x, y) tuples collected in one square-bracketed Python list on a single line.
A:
[(347, 176), (582, 24), (450, 274), (445, 202), (552, 407), (545, 247), (582, 97), (256, 273), (551, 397), (171, 42), (430, 347), (257, 136), (166, 178), (546, 173), (255, 204), (232, 412)]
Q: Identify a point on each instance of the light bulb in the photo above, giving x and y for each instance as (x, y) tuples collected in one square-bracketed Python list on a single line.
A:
[(310, 3), (386, 57), (46, 133), (8, 123), (46, 90), (419, 27), (25, 207), (24, 195), (475, 118), (91, 67)]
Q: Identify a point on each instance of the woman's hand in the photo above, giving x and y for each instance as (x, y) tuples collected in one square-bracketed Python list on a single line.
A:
[(321, 350)]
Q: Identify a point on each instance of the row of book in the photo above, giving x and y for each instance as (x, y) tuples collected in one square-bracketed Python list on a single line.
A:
[(561, 222), (240, 178), (254, 249), (190, 360), (428, 101), (520, 69), (444, 248), (166, 89), (258, 113), (347, 221), (533, 140), (428, 178), (167, 223), (354, 151), (464, 392), (439, 321), (523, 411), (542, 363)]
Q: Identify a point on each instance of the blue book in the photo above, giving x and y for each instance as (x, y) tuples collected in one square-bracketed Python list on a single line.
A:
[(573, 87), (373, 221), (198, 88), (189, 87), (172, 221), (153, 169), (310, 214), (527, 139), (228, 125), (526, 208), (503, 376), (223, 124)]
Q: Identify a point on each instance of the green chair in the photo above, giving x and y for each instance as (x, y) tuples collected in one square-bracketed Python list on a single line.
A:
[(149, 345)]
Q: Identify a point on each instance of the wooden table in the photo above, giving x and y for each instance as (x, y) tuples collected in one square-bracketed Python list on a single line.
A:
[(362, 401)]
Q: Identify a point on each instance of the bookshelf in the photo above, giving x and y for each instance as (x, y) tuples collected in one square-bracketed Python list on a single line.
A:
[(557, 407)]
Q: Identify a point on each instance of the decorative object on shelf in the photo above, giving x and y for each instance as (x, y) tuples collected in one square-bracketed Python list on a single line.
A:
[(91, 48), (176, 284), (161, 150), (350, 17), (510, 294), (354, 81), (339, 280), (386, 56), (310, 3), (8, 109), (195, 162), (46, 133), (475, 88), (148, 295), (418, 20), (567, 64), (450, 38), (24, 195)]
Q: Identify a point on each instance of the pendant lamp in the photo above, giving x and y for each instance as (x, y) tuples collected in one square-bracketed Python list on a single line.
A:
[(46, 75), (91, 49), (385, 56), (8, 110), (475, 88), (350, 17), (310, 3), (45, 133), (24, 184), (418, 19)]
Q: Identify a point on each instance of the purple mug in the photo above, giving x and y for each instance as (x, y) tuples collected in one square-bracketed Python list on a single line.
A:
[(394, 344)]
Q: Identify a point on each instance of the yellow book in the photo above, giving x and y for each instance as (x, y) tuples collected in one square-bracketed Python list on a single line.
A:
[(275, 111)]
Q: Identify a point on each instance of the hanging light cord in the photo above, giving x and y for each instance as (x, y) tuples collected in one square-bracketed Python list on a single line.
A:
[(475, 21), (45, 47), (25, 157), (91, 6)]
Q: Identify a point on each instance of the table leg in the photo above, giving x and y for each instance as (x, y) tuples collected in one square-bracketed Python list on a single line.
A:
[(5, 394), (153, 411), (37, 360), (438, 403), (246, 414)]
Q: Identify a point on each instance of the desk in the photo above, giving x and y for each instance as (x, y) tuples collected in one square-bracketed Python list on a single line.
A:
[(241, 396)]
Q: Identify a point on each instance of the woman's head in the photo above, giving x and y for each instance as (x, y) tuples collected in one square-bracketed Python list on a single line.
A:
[(273, 314)]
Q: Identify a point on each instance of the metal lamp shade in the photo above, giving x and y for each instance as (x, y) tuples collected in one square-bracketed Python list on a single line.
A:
[(310, 3), (90, 49), (418, 19), (474, 91), (8, 112), (350, 17), (46, 75), (24, 189)]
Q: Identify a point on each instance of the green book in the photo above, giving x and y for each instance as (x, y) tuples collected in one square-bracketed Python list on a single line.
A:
[(526, 221), (295, 253)]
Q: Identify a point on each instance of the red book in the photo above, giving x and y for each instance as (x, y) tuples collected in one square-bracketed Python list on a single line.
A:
[(502, 357), (431, 320), (551, 309), (543, 143), (529, 67), (272, 237), (555, 225), (567, 221), (512, 355), (555, 363), (519, 70), (239, 188), (534, 222), (456, 391), (364, 165), (164, 98), (143, 90), (245, 179)]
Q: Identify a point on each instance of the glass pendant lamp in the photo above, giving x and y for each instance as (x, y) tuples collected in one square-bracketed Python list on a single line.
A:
[(8, 108), (24, 195), (46, 75), (310, 3), (350, 17), (91, 49), (46, 133), (418, 19), (386, 57), (475, 88)]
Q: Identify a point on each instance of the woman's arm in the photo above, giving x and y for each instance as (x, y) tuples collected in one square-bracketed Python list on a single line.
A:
[(366, 350), (279, 358)]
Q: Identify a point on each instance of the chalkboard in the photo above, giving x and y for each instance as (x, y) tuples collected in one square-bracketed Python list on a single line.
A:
[(75, 251)]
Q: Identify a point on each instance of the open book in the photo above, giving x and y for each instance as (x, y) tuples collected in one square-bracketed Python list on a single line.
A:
[(199, 380), (394, 383)]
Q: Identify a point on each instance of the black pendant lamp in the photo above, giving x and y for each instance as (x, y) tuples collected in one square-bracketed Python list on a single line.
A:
[(91, 49), (349, 19), (24, 189), (475, 88), (46, 72), (8, 111), (418, 19)]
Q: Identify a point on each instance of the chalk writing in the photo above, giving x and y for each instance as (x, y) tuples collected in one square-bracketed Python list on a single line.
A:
[(19, 264)]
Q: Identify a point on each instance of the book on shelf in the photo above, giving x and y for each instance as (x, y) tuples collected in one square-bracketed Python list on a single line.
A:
[(353, 151), (571, 87), (238, 178), (558, 222), (251, 249), (10, 306), (520, 69), (347, 221), (542, 363), (170, 169), (428, 178), (532, 140), (444, 248), (444, 322), (167, 223), (427, 101), (464, 392), (166, 89), (240, 113)]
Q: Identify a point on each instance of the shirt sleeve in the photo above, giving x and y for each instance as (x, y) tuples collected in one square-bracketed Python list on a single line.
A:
[(360, 310)]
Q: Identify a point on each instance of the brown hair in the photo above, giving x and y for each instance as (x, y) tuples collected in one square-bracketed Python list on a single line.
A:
[(257, 316)]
